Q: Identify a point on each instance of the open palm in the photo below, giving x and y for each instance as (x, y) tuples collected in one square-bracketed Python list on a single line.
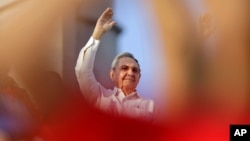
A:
[(104, 23)]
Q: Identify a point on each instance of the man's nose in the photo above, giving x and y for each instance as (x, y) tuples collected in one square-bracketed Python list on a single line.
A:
[(130, 72)]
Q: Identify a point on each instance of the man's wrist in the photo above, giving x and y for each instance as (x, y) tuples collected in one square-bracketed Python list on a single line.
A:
[(97, 35)]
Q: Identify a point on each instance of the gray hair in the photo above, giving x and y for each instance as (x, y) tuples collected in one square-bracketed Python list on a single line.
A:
[(122, 55)]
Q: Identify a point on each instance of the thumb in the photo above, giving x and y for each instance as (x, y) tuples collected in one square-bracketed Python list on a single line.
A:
[(112, 23)]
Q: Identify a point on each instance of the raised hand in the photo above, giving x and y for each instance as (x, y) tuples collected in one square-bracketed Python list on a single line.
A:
[(103, 24)]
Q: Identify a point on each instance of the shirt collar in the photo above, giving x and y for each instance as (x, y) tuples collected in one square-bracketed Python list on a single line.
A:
[(118, 92)]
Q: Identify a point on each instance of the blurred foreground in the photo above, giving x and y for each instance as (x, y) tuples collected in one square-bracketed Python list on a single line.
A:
[(206, 58)]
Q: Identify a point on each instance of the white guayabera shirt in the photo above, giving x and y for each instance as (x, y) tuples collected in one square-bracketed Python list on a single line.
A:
[(113, 101)]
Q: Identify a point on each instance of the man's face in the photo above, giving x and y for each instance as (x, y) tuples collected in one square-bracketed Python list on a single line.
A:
[(126, 75)]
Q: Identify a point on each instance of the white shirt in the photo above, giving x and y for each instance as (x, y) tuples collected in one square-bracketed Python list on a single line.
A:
[(113, 101)]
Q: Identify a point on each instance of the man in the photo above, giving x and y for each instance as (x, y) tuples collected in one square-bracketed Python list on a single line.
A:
[(125, 73)]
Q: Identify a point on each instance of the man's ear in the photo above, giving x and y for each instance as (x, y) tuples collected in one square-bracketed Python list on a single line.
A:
[(111, 74), (205, 26)]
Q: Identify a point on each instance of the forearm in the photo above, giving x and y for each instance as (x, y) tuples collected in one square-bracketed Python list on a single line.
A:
[(84, 70), (85, 62), (86, 58), (97, 34)]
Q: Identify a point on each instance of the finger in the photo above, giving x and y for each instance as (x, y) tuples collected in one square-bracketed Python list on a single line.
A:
[(108, 13), (109, 20), (104, 12), (112, 23)]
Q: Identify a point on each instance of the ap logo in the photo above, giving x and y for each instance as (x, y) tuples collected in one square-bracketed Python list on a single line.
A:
[(239, 132)]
